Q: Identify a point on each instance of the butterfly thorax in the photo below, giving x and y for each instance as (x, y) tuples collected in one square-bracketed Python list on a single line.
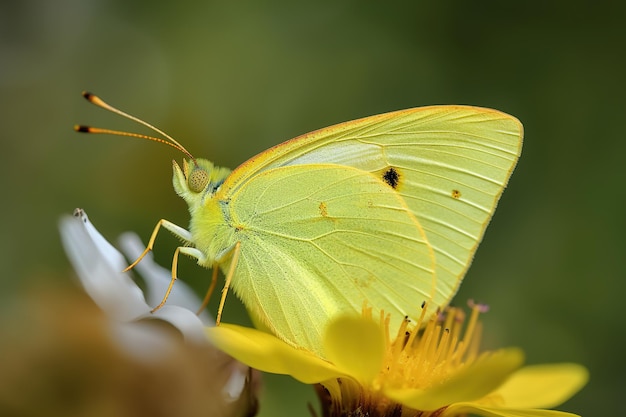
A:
[(197, 183)]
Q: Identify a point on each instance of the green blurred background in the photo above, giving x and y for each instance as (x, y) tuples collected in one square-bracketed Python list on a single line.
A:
[(229, 80)]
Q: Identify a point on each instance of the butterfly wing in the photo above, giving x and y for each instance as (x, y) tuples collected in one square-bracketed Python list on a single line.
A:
[(449, 164), (318, 240)]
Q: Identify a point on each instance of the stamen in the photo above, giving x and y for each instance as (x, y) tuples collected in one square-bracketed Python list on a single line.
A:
[(443, 345), (469, 331), (418, 325), (484, 308)]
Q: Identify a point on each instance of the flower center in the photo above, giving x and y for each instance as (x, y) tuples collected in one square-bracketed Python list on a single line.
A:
[(422, 355), (426, 354)]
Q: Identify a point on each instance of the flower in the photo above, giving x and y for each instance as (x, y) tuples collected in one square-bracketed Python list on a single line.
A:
[(213, 383), (432, 368), (99, 266)]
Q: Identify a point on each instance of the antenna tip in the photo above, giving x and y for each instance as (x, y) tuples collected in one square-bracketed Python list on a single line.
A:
[(87, 95), (81, 128)]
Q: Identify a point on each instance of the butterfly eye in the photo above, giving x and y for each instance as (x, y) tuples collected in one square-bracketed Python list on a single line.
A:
[(198, 180)]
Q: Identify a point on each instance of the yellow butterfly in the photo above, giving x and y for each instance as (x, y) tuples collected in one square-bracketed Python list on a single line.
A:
[(385, 211)]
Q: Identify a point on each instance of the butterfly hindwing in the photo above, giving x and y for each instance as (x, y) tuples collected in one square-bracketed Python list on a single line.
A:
[(322, 239)]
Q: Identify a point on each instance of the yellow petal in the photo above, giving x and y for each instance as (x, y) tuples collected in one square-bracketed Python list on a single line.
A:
[(269, 354), (356, 346), (472, 382), (475, 409), (543, 386)]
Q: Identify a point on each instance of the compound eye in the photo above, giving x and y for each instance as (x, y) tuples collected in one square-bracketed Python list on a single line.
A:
[(198, 180)]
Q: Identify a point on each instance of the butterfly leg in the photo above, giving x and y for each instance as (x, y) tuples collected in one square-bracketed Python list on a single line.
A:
[(176, 231), (209, 292), (231, 271), (194, 253)]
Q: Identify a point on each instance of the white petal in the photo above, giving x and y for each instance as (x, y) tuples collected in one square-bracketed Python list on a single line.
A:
[(141, 342), (236, 383), (184, 320), (99, 267)]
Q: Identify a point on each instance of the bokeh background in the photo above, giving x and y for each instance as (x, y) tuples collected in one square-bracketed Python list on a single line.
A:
[(230, 79)]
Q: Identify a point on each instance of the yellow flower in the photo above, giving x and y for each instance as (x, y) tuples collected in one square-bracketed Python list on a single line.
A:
[(431, 369)]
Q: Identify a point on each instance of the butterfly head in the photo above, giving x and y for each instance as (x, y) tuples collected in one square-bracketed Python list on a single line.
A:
[(197, 179)]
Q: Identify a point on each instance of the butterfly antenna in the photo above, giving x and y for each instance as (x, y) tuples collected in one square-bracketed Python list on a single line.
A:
[(93, 99)]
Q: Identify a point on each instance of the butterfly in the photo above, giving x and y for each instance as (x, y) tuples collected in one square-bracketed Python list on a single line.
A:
[(385, 211)]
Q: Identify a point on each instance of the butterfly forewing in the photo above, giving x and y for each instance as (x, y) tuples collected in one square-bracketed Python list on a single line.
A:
[(449, 164)]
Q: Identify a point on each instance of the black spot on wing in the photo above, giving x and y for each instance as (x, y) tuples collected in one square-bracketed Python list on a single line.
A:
[(391, 177)]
